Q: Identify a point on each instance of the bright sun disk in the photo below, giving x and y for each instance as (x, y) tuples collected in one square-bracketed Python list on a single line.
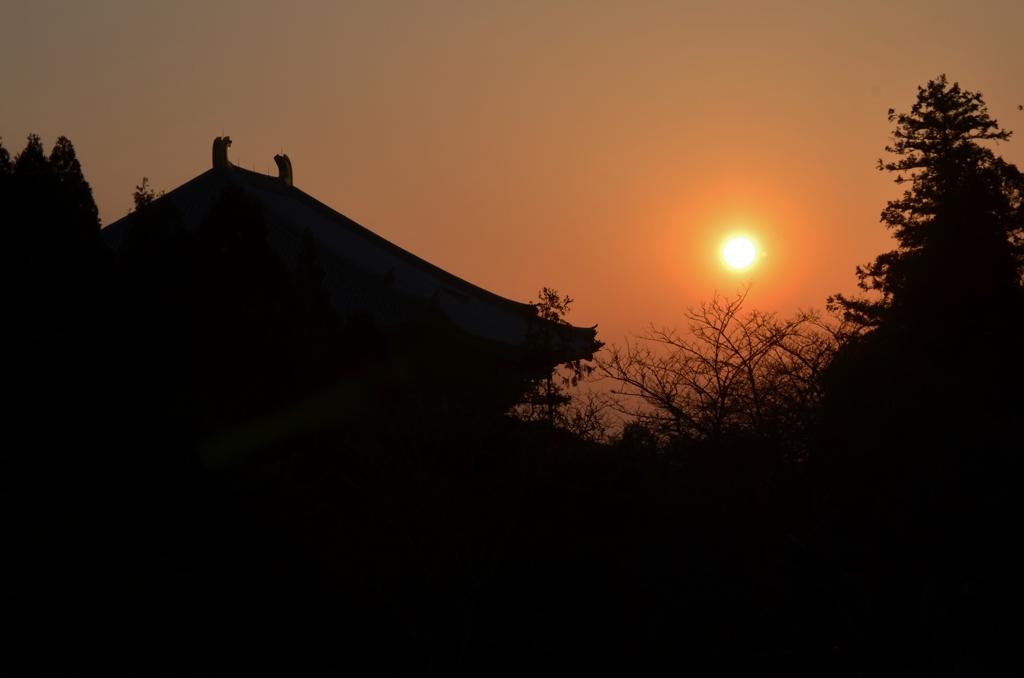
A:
[(739, 253)]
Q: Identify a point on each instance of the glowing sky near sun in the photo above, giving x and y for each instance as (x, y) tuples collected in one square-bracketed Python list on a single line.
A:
[(606, 149)]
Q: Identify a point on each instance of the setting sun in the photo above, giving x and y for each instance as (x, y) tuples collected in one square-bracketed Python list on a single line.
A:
[(739, 252)]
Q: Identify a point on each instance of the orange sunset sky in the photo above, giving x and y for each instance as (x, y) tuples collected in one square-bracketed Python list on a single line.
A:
[(606, 149)]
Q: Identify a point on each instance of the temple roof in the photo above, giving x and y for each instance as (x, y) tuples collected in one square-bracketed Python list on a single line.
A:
[(363, 271)]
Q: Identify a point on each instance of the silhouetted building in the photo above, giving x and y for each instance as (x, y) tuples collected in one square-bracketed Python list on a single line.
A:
[(431, 317)]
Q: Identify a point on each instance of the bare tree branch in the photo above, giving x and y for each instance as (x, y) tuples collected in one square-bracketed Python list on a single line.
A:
[(734, 374)]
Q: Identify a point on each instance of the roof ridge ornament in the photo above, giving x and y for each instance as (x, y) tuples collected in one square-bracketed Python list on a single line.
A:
[(284, 169), (220, 152)]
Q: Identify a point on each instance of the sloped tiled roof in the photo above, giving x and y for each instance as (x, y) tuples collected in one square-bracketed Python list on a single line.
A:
[(363, 271)]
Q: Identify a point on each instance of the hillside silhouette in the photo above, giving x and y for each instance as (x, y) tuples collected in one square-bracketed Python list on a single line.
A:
[(209, 470)]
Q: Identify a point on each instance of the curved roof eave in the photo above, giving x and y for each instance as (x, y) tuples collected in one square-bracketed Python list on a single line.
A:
[(407, 284)]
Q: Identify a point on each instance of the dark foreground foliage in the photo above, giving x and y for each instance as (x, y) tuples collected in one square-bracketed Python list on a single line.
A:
[(426, 546), (205, 473)]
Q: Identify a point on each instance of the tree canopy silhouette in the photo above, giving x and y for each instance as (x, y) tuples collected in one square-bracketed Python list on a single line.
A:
[(50, 205), (734, 376), (933, 379), (77, 192), (958, 227), (548, 394), (6, 166)]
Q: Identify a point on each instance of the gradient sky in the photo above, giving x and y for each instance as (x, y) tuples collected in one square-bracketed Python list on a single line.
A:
[(605, 149)]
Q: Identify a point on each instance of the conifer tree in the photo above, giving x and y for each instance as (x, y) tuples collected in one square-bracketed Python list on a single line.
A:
[(52, 204), (935, 377), (959, 225), (32, 162), (6, 166), (547, 337), (76, 189), (6, 177), (32, 198)]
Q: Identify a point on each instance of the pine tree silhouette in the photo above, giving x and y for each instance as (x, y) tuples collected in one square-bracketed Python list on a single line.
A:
[(76, 189)]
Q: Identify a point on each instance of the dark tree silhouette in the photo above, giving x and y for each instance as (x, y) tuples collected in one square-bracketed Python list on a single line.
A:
[(959, 226), (76, 189), (156, 244), (32, 162), (32, 196), (54, 275), (6, 166), (52, 205), (734, 376), (918, 452), (948, 299), (6, 178), (456, 543), (920, 387), (547, 396), (144, 195)]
